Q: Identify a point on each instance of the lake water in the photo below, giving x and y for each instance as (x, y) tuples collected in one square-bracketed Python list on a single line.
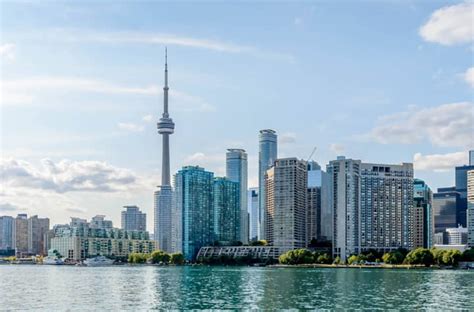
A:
[(53, 288)]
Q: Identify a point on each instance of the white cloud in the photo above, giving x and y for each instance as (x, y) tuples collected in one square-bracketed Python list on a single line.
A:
[(211, 162), (450, 25), (128, 126), (287, 138), (65, 176), (336, 148), (147, 118), (439, 162), (13, 91), (7, 51), (469, 76), (6, 207), (443, 125)]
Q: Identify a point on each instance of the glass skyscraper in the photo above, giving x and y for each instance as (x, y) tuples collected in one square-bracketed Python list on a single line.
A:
[(445, 208), (193, 218), (237, 171), (266, 157), (253, 213), (422, 222), (133, 219), (226, 208), (461, 188)]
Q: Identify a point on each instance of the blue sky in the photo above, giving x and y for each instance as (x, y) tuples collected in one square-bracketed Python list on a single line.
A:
[(384, 82)]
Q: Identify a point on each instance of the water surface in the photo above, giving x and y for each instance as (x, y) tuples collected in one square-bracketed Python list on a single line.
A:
[(53, 288)]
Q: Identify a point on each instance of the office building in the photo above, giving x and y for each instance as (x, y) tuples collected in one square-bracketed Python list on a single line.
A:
[(6, 233), (266, 157), (80, 240), (470, 206), (37, 229), (163, 198), (461, 188), (20, 234), (422, 221), (457, 236), (471, 158), (227, 212), (344, 188), (237, 171), (193, 217), (319, 216), (253, 213), (286, 191), (133, 219), (445, 208)]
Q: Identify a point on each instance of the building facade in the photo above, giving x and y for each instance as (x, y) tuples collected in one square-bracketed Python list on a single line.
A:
[(37, 229), (286, 191), (344, 188), (386, 206), (133, 219), (193, 217), (163, 198), (6, 233), (268, 152), (20, 234), (461, 188), (253, 213), (226, 209), (445, 208), (237, 171), (470, 206), (422, 221)]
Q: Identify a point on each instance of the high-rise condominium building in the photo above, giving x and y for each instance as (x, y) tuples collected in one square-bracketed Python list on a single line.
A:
[(319, 221), (193, 218), (226, 209), (470, 207), (37, 229), (286, 191), (20, 234), (386, 206), (445, 208), (344, 188), (163, 198), (236, 171), (253, 213), (266, 157), (133, 219), (6, 232), (99, 222), (422, 221), (471, 158)]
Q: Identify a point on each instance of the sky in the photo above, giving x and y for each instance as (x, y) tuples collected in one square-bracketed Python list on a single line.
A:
[(81, 92)]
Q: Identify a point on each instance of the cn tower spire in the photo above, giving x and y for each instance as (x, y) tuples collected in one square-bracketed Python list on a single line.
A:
[(165, 128)]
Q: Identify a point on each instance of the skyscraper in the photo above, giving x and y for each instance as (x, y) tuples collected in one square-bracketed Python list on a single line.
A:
[(422, 221), (266, 156), (164, 196), (226, 209), (253, 213), (470, 207), (471, 158), (286, 191), (20, 234), (37, 228), (461, 188), (133, 219), (386, 206), (344, 188), (6, 232), (445, 207), (193, 218), (236, 171)]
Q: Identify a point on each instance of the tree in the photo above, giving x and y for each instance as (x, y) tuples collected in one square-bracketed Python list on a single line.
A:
[(468, 255), (452, 257), (261, 242), (136, 257), (420, 256), (177, 258), (338, 260), (297, 256), (393, 257), (159, 256), (354, 259), (324, 259)]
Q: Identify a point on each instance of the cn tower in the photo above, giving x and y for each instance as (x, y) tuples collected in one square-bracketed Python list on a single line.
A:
[(163, 197)]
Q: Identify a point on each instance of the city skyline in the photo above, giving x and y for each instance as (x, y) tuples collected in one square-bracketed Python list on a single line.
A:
[(108, 136)]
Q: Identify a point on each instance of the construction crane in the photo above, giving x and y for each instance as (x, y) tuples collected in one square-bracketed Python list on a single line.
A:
[(312, 153)]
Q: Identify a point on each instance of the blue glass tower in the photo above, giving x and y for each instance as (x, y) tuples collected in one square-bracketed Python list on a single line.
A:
[(236, 171), (193, 218), (227, 215)]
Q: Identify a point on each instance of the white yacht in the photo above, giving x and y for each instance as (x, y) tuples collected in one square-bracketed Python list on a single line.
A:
[(98, 261)]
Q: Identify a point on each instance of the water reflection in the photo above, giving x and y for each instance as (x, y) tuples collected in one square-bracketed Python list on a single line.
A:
[(145, 288)]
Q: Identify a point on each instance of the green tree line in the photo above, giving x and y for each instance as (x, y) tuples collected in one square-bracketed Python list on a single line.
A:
[(156, 257)]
